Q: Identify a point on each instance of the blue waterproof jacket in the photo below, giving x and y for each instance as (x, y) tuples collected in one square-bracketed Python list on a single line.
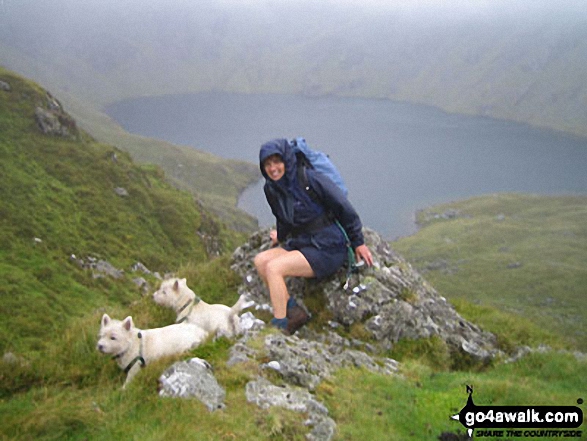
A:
[(294, 209)]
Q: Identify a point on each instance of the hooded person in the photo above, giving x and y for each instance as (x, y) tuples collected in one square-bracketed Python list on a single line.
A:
[(308, 240)]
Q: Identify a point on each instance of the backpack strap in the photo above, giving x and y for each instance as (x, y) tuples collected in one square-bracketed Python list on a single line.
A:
[(303, 164), (352, 268)]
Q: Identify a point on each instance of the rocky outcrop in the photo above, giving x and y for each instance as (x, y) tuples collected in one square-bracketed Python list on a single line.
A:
[(301, 364), (308, 360), (53, 120), (102, 268), (391, 300)]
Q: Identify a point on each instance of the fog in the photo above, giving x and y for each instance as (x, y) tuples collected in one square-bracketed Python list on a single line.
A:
[(72, 13), (496, 58), (60, 21), (98, 25)]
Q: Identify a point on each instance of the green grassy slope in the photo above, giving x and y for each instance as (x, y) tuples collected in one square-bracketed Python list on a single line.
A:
[(524, 255), (74, 393), (217, 182), (58, 199)]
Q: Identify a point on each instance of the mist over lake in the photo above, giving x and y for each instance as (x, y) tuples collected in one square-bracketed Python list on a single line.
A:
[(395, 157)]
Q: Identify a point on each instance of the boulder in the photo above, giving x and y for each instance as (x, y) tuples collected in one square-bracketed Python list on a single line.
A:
[(193, 379), (53, 120)]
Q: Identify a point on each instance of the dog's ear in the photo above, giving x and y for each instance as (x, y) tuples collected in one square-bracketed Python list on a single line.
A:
[(127, 323), (105, 320), (176, 285)]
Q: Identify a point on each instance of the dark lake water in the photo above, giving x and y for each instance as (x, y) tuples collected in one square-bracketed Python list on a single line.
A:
[(395, 157)]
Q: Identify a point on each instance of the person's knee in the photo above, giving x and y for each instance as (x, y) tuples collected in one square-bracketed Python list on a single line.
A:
[(273, 268), (260, 262)]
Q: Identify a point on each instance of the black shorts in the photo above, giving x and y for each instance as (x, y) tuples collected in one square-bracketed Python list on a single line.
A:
[(325, 250)]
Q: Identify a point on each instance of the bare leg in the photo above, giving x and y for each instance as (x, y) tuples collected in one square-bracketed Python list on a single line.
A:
[(262, 259), (274, 266)]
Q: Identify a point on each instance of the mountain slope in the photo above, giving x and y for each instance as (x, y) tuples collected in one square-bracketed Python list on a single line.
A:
[(64, 194), (521, 254), (216, 182)]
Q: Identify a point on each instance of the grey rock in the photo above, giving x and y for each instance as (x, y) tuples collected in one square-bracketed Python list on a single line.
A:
[(103, 267), (264, 394), (139, 267), (307, 361), (241, 352), (9, 358), (142, 284), (48, 122), (52, 120), (120, 191), (100, 268), (249, 322), (4, 86), (193, 379)]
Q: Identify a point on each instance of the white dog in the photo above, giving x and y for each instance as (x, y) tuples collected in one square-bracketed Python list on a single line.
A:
[(216, 319), (133, 348)]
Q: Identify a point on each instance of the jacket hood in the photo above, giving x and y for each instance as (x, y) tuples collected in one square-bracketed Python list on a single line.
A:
[(282, 148)]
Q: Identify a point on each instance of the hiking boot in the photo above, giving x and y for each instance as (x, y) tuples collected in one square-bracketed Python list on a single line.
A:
[(280, 324), (296, 318)]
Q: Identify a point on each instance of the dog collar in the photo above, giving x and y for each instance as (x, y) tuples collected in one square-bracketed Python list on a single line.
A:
[(185, 306), (133, 362), (138, 358), (191, 303), (185, 317)]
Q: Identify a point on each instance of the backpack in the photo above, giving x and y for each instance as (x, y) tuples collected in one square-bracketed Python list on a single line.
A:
[(310, 158)]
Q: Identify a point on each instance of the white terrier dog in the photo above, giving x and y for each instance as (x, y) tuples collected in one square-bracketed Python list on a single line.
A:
[(133, 348), (216, 319)]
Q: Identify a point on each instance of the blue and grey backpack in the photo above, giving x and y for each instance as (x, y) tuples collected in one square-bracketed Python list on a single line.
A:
[(319, 161)]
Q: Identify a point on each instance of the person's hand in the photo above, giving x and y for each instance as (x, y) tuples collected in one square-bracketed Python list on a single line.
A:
[(273, 236), (364, 255)]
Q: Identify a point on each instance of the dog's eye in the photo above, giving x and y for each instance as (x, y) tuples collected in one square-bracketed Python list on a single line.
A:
[(112, 338)]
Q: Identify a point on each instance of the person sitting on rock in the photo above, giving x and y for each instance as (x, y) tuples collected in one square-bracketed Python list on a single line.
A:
[(308, 241)]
